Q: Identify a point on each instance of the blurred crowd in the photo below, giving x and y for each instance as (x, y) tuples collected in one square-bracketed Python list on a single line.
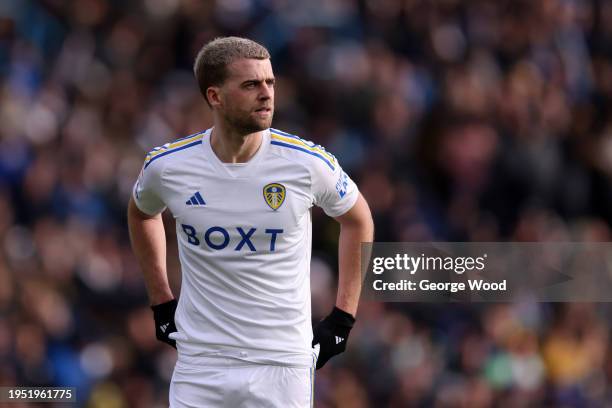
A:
[(460, 120)]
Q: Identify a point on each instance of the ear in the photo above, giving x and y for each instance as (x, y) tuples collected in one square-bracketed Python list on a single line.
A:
[(213, 95)]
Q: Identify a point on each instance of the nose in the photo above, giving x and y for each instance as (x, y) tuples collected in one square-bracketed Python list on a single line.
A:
[(266, 91)]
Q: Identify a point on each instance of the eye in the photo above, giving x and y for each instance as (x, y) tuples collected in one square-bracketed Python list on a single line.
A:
[(249, 85)]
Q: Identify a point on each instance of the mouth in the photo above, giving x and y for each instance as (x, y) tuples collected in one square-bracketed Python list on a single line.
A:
[(264, 110)]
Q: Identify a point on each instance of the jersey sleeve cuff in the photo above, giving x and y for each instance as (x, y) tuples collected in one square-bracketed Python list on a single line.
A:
[(144, 209), (349, 202)]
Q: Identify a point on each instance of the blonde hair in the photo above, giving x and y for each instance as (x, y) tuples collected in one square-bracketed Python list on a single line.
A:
[(210, 67)]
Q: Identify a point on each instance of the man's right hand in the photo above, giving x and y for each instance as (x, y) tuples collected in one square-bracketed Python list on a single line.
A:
[(164, 321)]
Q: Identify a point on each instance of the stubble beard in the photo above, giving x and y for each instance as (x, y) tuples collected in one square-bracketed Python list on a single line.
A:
[(245, 124)]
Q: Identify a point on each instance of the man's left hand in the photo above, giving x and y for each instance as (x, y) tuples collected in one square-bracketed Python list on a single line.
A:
[(331, 334)]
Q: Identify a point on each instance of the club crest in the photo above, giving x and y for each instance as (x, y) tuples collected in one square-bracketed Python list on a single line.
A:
[(274, 194)]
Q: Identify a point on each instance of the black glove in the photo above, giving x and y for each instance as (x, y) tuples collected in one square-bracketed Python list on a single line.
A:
[(331, 334), (164, 321)]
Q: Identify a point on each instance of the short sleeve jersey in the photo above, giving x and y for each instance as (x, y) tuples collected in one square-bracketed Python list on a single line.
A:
[(244, 237)]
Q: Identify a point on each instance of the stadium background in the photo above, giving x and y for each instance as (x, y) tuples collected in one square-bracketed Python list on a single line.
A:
[(460, 120)]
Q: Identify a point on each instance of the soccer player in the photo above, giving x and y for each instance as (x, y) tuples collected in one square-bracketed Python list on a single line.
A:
[(241, 194)]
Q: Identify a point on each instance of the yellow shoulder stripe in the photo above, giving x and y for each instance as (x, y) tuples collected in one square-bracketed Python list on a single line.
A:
[(304, 145), (174, 145)]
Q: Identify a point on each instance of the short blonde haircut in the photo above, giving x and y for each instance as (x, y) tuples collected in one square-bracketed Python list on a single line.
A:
[(210, 67)]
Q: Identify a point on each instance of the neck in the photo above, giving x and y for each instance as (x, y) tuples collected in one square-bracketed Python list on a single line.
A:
[(232, 146)]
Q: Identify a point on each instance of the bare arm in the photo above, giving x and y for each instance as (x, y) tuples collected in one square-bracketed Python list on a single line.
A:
[(356, 226), (149, 244)]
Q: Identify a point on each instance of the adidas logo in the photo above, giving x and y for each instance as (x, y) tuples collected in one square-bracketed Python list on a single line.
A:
[(163, 327), (339, 339), (196, 200)]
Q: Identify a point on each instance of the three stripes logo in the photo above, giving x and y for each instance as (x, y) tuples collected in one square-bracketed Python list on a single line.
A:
[(164, 327), (196, 200), (339, 339)]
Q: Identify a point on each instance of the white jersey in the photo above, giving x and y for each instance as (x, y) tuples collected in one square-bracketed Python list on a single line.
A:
[(244, 237)]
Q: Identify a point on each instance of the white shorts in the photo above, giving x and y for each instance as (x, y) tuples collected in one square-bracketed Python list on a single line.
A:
[(237, 384)]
